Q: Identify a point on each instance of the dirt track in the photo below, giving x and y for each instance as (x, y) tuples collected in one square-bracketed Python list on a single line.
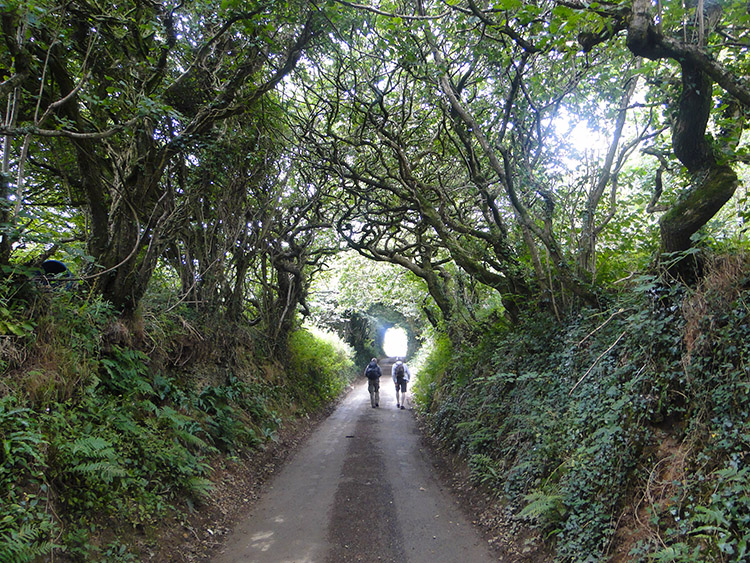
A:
[(360, 489)]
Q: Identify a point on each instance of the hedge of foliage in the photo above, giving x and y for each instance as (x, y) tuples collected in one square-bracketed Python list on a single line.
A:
[(104, 431), (638, 416)]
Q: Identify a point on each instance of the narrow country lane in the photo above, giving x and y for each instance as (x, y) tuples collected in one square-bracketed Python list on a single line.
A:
[(360, 489)]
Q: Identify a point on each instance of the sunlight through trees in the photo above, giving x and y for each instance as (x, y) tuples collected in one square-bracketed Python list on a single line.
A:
[(395, 342)]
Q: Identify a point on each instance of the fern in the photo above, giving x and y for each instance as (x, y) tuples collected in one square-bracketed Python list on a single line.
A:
[(126, 371), (547, 509), (104, 470), (199, 487), (678, 553), (92, 446), (22, 545), (102, 459), (184, 427), (191, 439), (483, 470)]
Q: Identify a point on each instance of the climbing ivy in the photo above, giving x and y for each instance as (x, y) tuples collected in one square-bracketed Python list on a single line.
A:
[(641, 410)]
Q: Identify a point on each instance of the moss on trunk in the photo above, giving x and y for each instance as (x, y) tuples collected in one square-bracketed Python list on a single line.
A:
[(713, 188)]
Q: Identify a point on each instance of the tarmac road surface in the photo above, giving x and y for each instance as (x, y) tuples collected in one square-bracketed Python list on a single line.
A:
[(360, 489)]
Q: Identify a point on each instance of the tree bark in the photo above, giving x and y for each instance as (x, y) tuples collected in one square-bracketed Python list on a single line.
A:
[(713, 188)]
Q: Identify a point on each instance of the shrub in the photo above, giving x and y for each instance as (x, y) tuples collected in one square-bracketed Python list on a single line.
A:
[(320, 366), (431, 370)]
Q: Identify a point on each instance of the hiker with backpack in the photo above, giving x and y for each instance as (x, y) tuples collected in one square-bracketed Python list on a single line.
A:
[(401, 375), (373, 373)]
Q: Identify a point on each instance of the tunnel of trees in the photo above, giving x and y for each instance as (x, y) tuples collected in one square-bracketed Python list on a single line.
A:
[(366, 332), (451, 168), (527, 149)]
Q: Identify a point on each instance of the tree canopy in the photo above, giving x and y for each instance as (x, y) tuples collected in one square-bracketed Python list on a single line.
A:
[(541, 150)]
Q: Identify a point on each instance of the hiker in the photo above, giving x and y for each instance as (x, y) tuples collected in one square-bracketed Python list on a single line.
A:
[(401, 374), (373, 373)]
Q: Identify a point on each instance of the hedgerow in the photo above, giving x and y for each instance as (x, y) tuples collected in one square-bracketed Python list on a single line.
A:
[(635, 416), (107, 430)]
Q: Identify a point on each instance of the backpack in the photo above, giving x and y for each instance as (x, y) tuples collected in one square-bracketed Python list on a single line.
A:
[(399, 371), (372, 371)]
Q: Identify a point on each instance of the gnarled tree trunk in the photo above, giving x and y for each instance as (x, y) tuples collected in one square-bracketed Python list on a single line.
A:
[(714, 181)]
